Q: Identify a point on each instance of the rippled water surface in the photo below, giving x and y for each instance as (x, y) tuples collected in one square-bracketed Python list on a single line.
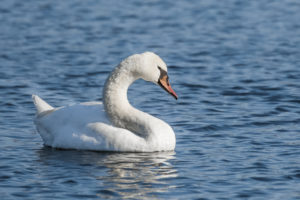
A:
[(235, 66)]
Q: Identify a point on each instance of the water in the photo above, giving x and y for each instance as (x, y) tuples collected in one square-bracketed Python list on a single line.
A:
[(235, 66)]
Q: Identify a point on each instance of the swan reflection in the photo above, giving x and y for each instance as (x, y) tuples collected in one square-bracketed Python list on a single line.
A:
[(135, 175), (126, 175)]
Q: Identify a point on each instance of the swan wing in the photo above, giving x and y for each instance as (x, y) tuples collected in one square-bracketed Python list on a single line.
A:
[(84, 127), (100, 136), (60, 122)]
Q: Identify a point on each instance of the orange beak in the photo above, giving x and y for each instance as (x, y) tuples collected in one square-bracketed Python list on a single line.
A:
[(164, 83)]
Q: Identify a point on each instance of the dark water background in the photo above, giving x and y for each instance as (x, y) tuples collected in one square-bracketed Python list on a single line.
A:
[(235, 66)]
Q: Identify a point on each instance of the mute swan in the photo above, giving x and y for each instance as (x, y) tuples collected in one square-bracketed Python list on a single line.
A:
[(114, 125)]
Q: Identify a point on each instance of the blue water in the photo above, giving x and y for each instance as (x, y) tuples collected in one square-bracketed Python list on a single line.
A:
[(235, 66)]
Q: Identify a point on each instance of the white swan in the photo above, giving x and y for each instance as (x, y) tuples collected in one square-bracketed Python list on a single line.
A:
[(114, 125)]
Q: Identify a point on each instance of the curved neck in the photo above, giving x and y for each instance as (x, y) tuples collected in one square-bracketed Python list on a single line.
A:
[(116, 104)]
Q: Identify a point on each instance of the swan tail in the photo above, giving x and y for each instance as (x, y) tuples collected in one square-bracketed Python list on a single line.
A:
[(40, 104)]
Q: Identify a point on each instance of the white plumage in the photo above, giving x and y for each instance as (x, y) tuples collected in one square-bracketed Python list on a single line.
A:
[(114, 125)]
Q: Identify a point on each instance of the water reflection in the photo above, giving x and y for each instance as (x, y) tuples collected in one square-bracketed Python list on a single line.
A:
[(126, 175), (136, 175)]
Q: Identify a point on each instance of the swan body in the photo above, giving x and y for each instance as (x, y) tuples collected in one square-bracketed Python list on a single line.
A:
[(113, 125)]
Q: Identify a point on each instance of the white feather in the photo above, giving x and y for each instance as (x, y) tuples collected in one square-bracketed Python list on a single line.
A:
[(116, 126)]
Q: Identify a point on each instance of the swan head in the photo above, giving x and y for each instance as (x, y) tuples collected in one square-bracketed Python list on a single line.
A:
[(154, 69)]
